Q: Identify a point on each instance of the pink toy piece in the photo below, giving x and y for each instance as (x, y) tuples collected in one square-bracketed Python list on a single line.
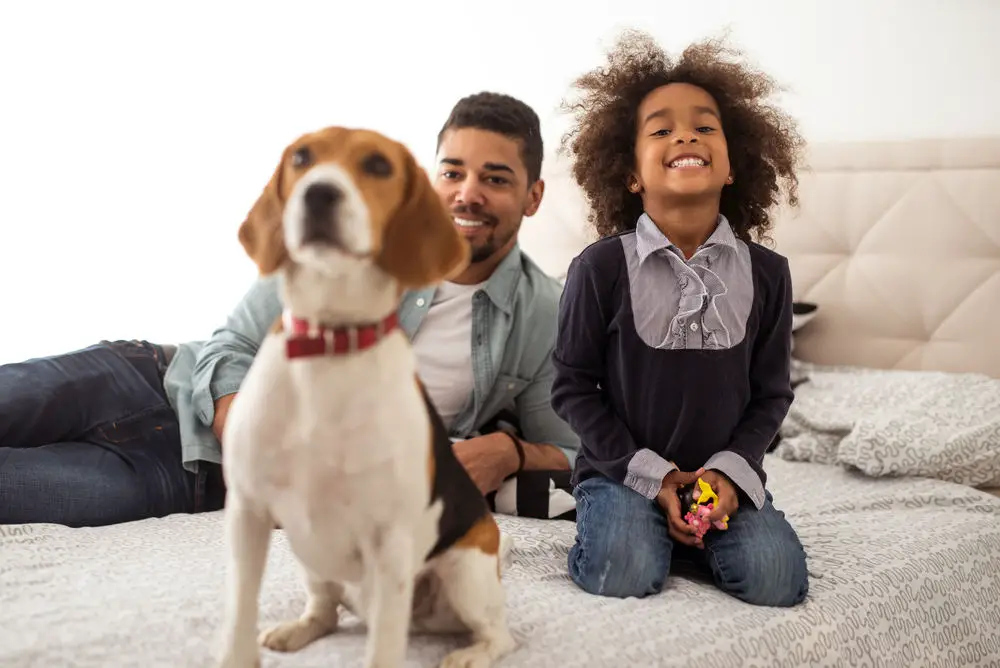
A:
[(700, 499), (700, 520)]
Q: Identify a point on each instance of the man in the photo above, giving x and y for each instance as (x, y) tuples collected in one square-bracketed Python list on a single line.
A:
[(128, 430)]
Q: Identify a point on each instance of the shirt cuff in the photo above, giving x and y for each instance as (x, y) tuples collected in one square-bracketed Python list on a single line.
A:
[(646, 471), (740, 473), (570, 456)]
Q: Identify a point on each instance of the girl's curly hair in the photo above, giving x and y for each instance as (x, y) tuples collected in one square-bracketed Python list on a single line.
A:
[(764, 142)]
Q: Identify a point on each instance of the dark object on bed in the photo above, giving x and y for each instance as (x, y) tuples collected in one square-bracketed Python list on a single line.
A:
[(802, 312), (536, 494)]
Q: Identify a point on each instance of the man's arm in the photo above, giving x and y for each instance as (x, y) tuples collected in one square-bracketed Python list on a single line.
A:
[(544, 457), (770, 393), (221, 413), (537, 456), (547, 442), (549, 445), (492, 458), (226, 357)]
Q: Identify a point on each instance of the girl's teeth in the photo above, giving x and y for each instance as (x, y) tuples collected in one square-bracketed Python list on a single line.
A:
[(688, 162)]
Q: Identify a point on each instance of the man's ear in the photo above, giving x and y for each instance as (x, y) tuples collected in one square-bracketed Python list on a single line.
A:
[(420, 245), (535, 193), (262, 233)]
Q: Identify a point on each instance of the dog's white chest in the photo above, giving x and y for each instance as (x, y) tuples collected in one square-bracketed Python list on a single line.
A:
[(333, 448)]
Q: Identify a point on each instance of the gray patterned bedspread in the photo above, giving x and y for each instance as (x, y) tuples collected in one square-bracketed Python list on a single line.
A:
[(904, 573), (888, 423)]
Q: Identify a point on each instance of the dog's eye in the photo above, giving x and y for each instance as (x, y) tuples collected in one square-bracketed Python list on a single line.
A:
[(377, 164), (302, 157)]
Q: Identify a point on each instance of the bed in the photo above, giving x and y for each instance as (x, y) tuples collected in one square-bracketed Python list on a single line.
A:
[(898, 246)]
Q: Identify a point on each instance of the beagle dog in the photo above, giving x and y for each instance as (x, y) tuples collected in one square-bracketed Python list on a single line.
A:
[(331, 437)]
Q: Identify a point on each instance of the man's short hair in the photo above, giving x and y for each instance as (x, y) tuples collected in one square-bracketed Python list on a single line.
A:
[(505, 115)]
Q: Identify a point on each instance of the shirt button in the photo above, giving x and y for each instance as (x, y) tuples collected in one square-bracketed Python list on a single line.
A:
[(694, 327), (420, 301)]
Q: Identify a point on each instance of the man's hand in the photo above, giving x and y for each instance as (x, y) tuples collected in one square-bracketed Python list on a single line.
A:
[(221, 412), (678, 529), (729, 501), (489, 460)]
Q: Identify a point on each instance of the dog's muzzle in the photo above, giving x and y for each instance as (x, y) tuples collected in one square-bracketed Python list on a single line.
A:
[(321, 223)]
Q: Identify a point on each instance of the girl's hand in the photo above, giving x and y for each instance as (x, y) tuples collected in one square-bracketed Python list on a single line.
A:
[(729, 501), (670, 502)]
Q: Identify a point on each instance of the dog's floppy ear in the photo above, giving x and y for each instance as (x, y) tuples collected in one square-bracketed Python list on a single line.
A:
[(420, 245), (262, 233)]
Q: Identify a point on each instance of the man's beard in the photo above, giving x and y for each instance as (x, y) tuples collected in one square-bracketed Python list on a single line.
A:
[(490, 246), (483, 252)]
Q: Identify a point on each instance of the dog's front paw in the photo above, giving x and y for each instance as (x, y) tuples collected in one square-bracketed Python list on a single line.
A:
[(296, 634)]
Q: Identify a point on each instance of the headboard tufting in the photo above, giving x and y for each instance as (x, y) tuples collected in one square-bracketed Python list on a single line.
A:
[(898, 243)]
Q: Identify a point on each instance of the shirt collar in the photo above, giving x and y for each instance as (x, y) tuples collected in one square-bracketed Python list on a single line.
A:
[(501, 286), (650, 239)]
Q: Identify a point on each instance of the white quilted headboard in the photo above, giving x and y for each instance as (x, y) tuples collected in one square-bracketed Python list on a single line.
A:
[(898, 243)]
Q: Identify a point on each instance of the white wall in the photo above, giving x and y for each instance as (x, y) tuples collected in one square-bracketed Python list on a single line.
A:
[(134, 139)]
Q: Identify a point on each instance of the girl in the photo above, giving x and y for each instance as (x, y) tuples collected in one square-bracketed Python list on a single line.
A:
[(673, 348)]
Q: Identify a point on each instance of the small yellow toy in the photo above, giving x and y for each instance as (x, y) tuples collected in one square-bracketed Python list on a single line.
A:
[(699, 507)]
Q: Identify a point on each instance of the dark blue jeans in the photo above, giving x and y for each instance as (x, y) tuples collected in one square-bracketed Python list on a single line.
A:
[(623, 549), (89, 439)]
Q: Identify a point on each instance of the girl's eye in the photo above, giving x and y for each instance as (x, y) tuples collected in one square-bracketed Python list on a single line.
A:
[(661, 133), (705, 128)]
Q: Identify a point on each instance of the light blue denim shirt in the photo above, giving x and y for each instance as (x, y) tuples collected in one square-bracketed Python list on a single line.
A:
[(513, 335)]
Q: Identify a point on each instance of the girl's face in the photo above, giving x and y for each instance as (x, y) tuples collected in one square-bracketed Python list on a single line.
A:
[(680, 149)]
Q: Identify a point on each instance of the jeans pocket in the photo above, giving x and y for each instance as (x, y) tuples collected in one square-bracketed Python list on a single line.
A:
[(149, 426)]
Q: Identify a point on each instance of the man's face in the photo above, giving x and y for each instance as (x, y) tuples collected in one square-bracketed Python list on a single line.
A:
[(484, 183), (680, 148)]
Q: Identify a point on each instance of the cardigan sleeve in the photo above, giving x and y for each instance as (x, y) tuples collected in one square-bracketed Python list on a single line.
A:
[(770, 392), (580, 367)]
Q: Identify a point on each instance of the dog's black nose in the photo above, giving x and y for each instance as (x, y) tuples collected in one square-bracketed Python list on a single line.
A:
[(320, 199)]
